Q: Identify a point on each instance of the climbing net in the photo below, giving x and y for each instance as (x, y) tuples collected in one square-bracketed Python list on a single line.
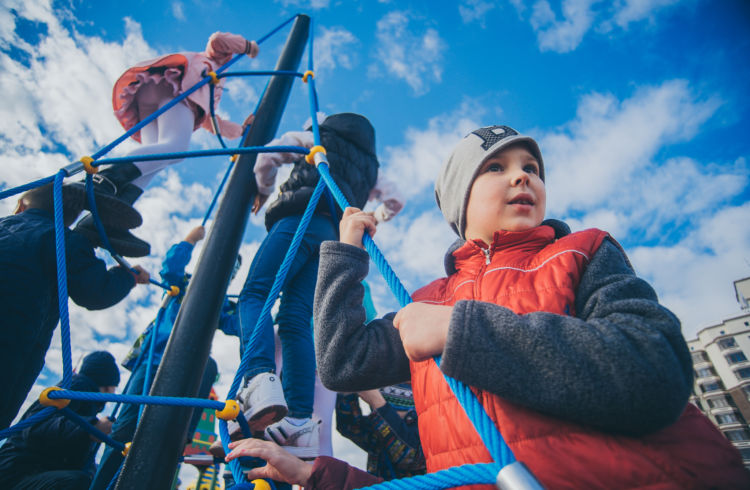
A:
[(58, 397)]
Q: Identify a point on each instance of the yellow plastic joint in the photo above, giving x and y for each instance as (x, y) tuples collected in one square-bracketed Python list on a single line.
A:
[(127, 448), (173, 291), (230, 411), (214, 77), (309, 73), (234, 157), (310, 157), (45, 400), (87, 161), (261, 484)]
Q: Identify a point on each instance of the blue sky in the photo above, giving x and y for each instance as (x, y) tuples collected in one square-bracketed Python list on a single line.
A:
[(640, 107)]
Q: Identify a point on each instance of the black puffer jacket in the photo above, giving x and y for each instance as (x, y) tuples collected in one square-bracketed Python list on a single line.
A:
[(55, 443), (349, 140)]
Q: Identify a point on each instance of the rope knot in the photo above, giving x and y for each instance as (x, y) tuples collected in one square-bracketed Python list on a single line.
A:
[(87, 161), (310, 157), (45, 400)]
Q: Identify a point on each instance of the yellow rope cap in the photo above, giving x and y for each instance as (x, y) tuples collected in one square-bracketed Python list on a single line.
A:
[(310, 157), (49, 402), (309, 73), (173, 291), (234, 157), (214, 77), (230, 411), (127, 448), (261, 484), (87, 161)]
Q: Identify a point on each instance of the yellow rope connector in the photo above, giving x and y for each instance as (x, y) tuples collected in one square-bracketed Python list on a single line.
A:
[(234, 157), (230, 411), (214, 77), (261, 484), (87, 161), (45, 400), (173, 291), (310, 157), (309, 73), (127, 448)]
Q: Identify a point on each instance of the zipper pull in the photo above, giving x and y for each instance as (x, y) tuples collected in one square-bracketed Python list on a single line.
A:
[(486, 252)]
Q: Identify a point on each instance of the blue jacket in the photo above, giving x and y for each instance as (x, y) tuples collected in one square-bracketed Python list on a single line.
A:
[(173, 273)]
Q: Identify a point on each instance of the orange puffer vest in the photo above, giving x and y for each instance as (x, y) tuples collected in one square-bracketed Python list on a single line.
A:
[(531, 271)]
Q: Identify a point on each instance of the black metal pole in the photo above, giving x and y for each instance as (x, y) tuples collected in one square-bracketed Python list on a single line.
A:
[(162, 432)]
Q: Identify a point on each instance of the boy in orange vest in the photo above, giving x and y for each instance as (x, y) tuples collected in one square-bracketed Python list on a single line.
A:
[(584, 373)]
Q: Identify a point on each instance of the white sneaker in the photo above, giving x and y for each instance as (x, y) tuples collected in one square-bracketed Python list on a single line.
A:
[(262, 402), (300, 440)]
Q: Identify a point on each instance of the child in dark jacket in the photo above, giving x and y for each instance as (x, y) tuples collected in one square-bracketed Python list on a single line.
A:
[(56, 452), (28, 289), (349, 140), (569, 353), (388, 434)]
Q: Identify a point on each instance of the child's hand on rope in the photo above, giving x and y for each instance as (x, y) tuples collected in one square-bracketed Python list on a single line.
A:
[(196, 234), (142, 277), (353, 225), (423, 329), (260, 200), (282, 466), (251, 49)]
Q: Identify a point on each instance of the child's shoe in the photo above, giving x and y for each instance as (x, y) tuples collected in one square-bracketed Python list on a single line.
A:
[(262, 402), (301, 437)]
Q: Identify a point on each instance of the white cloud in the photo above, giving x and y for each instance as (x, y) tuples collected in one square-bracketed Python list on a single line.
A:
[(178, 10), (566, 34), (415, 58), (334, 47), (313, 4), (563, 32), (590, 160), (471, 10)]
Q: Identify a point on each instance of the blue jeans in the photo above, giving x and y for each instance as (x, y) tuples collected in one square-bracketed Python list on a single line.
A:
[(127, 420), (295, 309)]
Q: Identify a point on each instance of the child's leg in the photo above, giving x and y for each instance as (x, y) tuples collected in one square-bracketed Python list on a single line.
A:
[(173, 131), (295, 332)]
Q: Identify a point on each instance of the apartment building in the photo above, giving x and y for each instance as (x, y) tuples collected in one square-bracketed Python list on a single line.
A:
[(721, 361)]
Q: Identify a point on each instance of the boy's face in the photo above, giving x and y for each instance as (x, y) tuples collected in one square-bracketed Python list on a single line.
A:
[(507, 194)]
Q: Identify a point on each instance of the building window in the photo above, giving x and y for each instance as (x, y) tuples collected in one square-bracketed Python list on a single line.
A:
[(743, 373), (737, 435), (707, 387), (735, 357), (727, 343), (728, 418), (705, 372), (699, 357), (720, 402)]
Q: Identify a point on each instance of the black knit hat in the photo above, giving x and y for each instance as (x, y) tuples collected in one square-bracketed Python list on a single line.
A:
[(101, 368)]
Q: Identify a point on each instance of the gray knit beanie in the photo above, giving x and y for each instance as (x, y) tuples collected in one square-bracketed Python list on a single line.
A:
[(453, 185)]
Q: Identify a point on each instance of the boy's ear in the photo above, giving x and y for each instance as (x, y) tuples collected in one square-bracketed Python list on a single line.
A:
[(20, 206)]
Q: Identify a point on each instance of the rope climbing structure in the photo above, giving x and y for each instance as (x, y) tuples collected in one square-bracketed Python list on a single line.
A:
[(158, 441)]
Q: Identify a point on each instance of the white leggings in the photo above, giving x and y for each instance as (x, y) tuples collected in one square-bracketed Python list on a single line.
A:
[(168, 133)]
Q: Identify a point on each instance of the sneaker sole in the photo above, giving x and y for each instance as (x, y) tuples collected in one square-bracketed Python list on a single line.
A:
[(113, 212), (267, 416)]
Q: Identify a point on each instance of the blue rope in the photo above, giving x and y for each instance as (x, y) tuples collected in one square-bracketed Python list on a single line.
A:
[(25, 187), (469, 474), (202, 153), (212, 112), (113, 482), (261, 73), (62, 281), (85, 425), (151, 352), (139, 399), (41, 415)]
